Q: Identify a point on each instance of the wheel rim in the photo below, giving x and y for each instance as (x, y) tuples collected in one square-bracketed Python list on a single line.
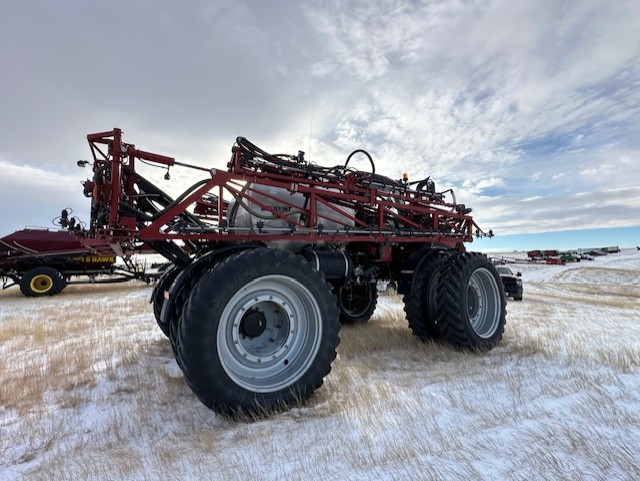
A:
[(355, 300), (269, 333), (483, 303), (41, 283)]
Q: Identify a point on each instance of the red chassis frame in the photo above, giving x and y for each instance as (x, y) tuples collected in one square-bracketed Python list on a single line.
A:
[(387, 213)]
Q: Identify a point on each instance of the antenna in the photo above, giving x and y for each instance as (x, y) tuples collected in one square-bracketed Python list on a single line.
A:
[(310, 132)]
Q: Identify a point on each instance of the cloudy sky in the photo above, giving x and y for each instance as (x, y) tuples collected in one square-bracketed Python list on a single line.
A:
[(530, 110)]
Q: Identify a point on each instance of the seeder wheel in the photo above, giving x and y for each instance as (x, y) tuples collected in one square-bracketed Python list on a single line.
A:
[(42, 281)]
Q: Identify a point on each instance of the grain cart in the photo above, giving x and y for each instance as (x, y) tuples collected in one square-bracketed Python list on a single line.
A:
[(272, 254)]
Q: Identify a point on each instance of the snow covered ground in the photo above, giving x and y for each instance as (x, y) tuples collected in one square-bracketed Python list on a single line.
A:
[(89, 390)]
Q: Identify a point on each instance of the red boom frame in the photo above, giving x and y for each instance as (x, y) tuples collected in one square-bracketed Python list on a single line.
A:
[(387, 212)]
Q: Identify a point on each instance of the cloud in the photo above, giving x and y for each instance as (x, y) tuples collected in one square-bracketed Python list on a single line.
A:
[(517, 100), (519, 106), (34, 196)]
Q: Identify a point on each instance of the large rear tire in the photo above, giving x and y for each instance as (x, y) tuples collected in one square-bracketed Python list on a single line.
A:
[(419, 303), (42, 281), (258, 332), (357, 302), (470, 302)]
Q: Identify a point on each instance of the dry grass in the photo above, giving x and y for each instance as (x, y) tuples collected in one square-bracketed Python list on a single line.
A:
[(89, 390)]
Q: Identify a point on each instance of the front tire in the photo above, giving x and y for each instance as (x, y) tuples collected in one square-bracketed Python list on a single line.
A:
[(258, 332), (470, 302)]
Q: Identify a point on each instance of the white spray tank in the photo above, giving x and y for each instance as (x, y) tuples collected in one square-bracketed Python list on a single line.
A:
[(247, 214)]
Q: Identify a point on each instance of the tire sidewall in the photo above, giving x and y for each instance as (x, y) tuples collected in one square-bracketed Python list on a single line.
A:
[(497, 283), (208, 377)]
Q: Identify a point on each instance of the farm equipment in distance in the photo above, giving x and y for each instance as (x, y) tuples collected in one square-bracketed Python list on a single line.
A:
[(272, 254), (42, 262)]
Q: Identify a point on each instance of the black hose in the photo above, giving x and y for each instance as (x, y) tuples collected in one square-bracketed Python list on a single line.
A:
[(361, 151)]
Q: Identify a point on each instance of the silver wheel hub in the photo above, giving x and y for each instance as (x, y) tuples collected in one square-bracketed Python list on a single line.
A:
[(269, 333), (483, 303), (270, 339)]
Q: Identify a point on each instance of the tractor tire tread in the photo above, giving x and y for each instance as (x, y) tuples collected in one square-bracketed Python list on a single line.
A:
[(450, 295)]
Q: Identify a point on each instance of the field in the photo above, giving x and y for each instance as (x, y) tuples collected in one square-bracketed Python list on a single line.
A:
[(89, 389)]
